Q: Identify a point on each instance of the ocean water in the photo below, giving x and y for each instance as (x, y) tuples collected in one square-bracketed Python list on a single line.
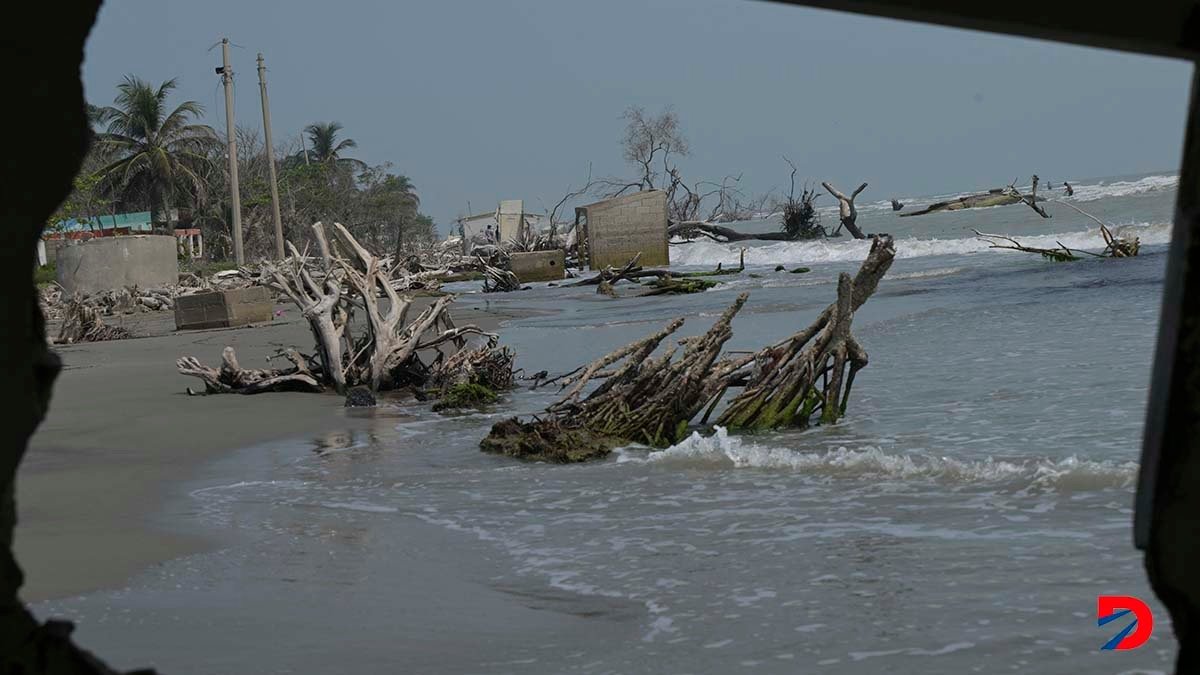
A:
[(962, 518)]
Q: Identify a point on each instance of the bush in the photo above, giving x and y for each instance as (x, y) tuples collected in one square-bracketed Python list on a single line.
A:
[(800, 217), (45, 275)]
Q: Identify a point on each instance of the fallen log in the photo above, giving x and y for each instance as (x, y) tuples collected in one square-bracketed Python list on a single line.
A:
[(672, 285), (692, 228), (654, 400), (995, 197)]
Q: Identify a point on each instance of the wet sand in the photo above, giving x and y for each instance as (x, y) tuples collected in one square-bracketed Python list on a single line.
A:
[(122, 432)]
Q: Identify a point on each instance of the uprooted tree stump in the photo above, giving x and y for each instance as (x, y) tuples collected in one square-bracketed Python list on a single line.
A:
[(653, 400), (387, 355)]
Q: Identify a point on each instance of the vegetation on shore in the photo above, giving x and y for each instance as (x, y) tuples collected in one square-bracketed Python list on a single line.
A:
[(150, 154)]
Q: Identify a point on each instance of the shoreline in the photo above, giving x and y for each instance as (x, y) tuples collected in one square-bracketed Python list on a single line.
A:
[(122, 433)]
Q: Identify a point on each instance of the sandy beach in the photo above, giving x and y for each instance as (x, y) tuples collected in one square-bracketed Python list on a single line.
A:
[(122, 431)]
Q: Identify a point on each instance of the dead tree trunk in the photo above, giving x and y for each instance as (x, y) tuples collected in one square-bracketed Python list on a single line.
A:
[(319, 303), (1030, 200), (653, 400), (846, 210)]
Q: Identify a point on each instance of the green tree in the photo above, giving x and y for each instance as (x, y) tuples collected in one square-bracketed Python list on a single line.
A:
[(159, 156), (325, 148)]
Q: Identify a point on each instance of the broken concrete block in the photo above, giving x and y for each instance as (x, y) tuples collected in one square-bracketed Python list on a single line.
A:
[(224, 309), (538, 266)]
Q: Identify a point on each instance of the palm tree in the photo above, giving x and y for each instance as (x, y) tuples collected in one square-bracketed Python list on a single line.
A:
[(159, 155), (325, 146)]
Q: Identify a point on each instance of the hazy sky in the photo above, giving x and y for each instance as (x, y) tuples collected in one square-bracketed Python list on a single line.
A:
[(484, 100)]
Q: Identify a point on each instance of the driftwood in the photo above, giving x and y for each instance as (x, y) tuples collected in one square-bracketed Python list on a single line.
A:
[(1032, 199), (665, 282), (672, 285), (498, 279), (847, 213), (996, 197), (1114, 247), (82, 323), (653, 400), (698, 228), (232, 378), (327, 289)]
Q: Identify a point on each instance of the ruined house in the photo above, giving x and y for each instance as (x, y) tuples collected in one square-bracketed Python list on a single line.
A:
[(612, 231)]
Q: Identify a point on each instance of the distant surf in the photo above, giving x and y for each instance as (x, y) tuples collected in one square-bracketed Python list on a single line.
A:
[(707, 253)]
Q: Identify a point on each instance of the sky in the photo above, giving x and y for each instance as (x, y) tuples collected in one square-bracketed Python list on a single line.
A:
[(491, 99)]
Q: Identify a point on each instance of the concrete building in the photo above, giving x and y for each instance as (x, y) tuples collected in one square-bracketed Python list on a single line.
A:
[(511, 219), (611, 232), (507, 222)]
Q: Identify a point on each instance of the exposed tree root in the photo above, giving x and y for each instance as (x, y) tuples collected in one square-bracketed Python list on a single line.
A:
[(387, 355), (232, 378), (654, 400)]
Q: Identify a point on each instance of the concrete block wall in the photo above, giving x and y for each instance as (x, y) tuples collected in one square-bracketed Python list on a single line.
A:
[(143, 260), (618, 229)]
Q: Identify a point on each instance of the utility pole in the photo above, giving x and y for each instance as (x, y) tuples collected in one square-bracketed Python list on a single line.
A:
[(226, 73), (266, 107)]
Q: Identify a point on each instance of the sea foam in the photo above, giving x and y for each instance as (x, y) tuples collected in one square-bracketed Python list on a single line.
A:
[(721, 450), (708, 253)]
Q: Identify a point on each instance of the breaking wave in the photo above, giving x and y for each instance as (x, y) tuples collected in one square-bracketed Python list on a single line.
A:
[(723, 451), (1091, 192), (1084, 192), (708, 253)]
